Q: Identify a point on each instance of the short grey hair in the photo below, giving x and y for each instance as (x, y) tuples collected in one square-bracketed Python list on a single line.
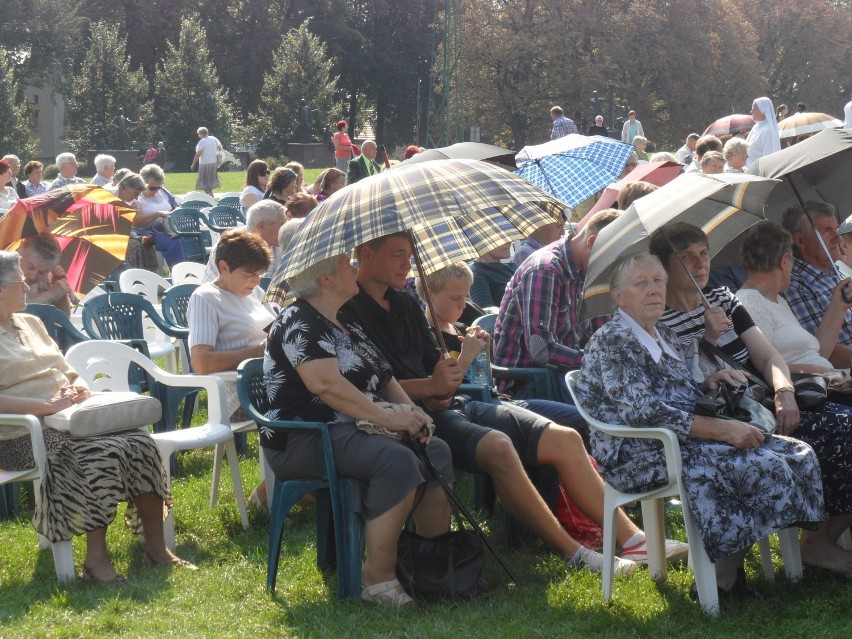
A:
[(151, 172), (625, 267), (733, 146), (264, 211), (119, 175), (10, 262), (638, 139), (202, 130), (663, 156), (306, 283), (65, 158), (13, 158), (132, 181), (287, 231), (102, 161)]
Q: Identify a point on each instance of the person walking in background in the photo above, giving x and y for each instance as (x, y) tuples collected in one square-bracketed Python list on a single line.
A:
[(562, 126), (631, 128), (206, 157), (161, 155)]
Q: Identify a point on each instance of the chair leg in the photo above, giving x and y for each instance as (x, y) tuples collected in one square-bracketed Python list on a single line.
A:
[(63, 560), (766, 559), (218, 456), (704, 570), (352, 532), (788, 539), (609, 527), (237, 481), (653, 521), (266, 475)]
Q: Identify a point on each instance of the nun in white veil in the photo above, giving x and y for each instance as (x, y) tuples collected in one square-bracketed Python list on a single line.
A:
[(763, 139)]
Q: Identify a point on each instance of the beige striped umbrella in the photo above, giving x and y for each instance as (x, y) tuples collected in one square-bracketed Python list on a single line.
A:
[(723, 205), (804, 123)]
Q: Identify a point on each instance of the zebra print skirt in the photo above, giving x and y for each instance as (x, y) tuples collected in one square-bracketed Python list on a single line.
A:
[(86, 479)]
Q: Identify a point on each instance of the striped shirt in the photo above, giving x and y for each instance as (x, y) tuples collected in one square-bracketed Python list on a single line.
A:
[(543, 298), (689, 325)]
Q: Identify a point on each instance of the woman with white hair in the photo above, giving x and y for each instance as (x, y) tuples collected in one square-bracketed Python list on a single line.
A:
[(105, 167), (735, 153), (155, 204), (763, 139), (66, 164)]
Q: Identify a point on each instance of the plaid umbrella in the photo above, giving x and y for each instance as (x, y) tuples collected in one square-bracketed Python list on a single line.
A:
[(455, 209), (730, 125), (804, 123), (92, 226), (723, 205), (573, 167)]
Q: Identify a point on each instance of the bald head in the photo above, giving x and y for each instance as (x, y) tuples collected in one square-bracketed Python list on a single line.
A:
[(369, 149)]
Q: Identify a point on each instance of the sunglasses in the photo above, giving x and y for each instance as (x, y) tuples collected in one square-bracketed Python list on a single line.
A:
[(263, 174), (154, 188)]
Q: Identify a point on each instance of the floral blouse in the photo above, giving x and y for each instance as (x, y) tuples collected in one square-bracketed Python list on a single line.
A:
[(301, 334)]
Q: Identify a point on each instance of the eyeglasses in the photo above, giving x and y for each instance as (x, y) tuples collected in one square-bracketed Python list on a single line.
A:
[(154, 188), (263, 174)]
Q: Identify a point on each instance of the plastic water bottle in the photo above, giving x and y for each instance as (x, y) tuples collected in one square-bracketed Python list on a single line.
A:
[(479, 368)]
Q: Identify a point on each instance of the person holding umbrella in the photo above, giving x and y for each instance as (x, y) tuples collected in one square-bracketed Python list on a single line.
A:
[(682, 248), (763, 139), (500, 440), (740, 484), (322, 366)]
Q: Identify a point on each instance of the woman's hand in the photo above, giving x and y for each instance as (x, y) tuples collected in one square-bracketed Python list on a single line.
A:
[(716, 322), (786, 413), (411, 422), (740, 434), (727, 376), (66, 397)]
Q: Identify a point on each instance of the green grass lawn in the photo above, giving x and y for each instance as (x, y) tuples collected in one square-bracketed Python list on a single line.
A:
[(227, 598), (180, 183)]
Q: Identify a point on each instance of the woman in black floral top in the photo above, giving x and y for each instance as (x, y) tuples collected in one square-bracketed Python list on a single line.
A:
[(320, 369)]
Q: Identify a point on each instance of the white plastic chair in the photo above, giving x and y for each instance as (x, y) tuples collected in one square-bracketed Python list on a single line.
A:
[(187, 273), (63, 553), (653, 521), (196, 195), (104, 365)]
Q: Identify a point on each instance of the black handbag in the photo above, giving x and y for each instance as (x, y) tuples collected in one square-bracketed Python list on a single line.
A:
[(450, 565), (811, 391), (736, 403)]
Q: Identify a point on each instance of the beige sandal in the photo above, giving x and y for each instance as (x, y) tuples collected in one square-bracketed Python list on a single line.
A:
[(387, 593)]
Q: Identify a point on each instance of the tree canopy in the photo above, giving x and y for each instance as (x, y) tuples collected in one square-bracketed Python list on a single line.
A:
[(680, 65)]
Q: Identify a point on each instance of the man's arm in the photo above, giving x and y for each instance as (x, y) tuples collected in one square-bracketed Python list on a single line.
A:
[(541, 296)]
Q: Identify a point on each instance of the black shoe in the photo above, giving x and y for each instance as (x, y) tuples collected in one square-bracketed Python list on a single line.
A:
[(738, 592)]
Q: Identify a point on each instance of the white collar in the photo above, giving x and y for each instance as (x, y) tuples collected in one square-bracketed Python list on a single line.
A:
[(655, 347)]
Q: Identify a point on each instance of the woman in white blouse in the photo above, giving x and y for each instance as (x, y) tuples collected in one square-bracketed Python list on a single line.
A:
[(257, 176)]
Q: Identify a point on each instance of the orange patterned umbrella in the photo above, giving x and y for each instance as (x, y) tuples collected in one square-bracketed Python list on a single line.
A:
[(92, 226)]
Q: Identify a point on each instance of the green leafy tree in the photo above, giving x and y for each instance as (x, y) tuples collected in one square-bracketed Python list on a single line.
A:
[(104, 84), (300, 69), (15, 131), (188, 95)]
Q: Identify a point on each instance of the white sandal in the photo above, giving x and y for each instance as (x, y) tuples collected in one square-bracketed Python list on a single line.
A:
[(387, 593)]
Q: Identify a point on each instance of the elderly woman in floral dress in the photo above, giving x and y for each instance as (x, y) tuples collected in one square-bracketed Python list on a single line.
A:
[(741, 485)]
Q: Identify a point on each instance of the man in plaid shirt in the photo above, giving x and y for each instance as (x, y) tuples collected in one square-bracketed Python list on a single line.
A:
[(815, 294), (562, 126), (543, 298)]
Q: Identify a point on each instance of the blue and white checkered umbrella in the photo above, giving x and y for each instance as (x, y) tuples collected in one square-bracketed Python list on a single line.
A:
[(573, 167)]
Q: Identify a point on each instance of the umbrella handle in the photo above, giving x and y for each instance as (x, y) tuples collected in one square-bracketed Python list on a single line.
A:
[(427, 296)]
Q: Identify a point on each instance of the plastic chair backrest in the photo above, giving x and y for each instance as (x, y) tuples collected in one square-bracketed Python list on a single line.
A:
[(58, 326), (187, 273), (224, 217), (195, 204), (175, 304), (487, 323), (144, 283), (232, 201), (185, 220)]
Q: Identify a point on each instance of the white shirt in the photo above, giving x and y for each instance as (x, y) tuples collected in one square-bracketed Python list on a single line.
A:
[(655, 347), (208, 146)]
